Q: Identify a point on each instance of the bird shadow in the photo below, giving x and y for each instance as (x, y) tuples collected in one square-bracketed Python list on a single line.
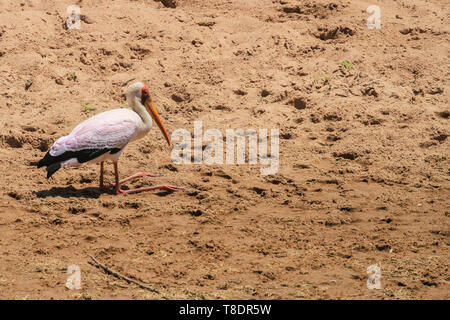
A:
[(71, 192), (88, 192), (163, 193)]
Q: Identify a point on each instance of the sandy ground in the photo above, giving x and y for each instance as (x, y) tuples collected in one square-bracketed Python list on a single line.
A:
[(364, 150)]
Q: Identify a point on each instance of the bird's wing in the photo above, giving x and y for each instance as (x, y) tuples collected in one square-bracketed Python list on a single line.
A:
[(107, 130)]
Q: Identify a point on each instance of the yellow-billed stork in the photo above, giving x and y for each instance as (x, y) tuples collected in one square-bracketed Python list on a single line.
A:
[(105, 136)]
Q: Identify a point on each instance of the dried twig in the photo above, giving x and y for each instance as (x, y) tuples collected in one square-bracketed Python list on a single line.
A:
[(118, 275)]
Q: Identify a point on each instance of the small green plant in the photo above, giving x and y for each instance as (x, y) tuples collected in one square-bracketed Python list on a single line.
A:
[(74, 76), (125, 104), (87, 108), (322, 79), (346, 64)]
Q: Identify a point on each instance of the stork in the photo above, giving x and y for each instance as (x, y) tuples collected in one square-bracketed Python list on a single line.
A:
[(104, 137)]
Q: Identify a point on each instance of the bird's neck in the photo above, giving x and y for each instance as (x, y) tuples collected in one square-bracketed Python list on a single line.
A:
[(139, 108)]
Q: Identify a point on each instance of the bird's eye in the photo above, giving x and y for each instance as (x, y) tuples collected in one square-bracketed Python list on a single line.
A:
[(145, 94)]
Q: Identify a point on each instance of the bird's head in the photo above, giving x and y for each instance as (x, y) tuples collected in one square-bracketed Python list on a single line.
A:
[(138, 95)]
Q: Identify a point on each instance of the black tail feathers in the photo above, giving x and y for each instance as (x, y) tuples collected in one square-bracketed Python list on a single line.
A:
[(51, 163), (51, 169), (45, 161)]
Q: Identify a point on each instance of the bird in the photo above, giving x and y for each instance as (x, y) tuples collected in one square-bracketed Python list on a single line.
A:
[(104, 137)]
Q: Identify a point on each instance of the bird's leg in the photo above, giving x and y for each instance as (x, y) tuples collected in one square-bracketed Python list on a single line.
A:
[(102, 186), (119, 190)]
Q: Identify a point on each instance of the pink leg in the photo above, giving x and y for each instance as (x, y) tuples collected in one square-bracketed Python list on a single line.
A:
[(140, 174), (102, 186)]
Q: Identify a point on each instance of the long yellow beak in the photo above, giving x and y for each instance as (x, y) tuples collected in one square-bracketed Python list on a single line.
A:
[(151, 108)]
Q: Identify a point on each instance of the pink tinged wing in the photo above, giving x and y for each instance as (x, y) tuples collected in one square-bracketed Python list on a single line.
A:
[(110, 129)]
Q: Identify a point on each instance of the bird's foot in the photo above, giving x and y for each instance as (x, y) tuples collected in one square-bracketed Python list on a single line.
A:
[(160, 187), (139, 175)]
